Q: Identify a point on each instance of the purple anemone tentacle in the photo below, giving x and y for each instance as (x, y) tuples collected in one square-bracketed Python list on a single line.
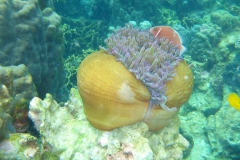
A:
[(150, 59)]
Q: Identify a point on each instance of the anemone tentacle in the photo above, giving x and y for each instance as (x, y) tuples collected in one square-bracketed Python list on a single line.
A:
[(150, 59)]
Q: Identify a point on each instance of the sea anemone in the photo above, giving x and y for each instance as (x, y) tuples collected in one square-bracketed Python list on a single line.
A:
[(150, 59), (137, 77)]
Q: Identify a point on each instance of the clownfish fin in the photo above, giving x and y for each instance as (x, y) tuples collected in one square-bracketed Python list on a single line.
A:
[(182, 50)]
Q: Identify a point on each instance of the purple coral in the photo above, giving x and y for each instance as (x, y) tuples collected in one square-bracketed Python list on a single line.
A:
[(151, 60)]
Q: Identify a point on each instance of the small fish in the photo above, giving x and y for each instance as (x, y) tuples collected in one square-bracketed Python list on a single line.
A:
[(234, 101), (168, 33)]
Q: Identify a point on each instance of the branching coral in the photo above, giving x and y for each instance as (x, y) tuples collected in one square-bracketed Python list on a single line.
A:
[(71, 66), (167, 16), (83, 34), (191, 20)]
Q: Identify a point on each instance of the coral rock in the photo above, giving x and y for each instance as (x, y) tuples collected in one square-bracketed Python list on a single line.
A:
[(73, 137), (16, 90), (31, 37)]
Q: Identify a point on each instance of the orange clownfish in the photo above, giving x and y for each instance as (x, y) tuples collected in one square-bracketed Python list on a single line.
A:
[(168, 33), (234, 100)]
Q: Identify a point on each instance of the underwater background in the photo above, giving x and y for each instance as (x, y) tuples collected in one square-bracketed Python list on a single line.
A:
[(42, 44)]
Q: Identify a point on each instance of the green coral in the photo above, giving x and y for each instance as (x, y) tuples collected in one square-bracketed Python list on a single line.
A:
[(20, 117), (82, 37), (202, 46), (225, 20), (67, 30), (171, 2), (20, 146), (58, 1), (71, 65), (234, 10), (190, 20), (237, 42), (167, 17), (83, 34), (5, 124), (48, 155)]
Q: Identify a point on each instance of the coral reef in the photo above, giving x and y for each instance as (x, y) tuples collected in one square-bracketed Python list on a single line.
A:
[(17, 90), (171, 2), (223, 131), (53, 81), (225, 20), (82, 34), (6, 81), (207, 110), (31, 34), (215, 134), (20, 146), (194, 124), (82, 37), (145, 25), (88, 5), (23, 91), (234, 10), (85, 142), (124, 11), (232, 72), (6, 102), (213, 53), (5, 125), (33, 38), (191, 19), (45, 3), (167, 16), (205, 3), (204, 40), (71, 64), (237, 42)]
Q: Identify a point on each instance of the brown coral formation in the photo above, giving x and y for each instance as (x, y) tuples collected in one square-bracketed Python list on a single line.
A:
[(33, 37), (17, 89)]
